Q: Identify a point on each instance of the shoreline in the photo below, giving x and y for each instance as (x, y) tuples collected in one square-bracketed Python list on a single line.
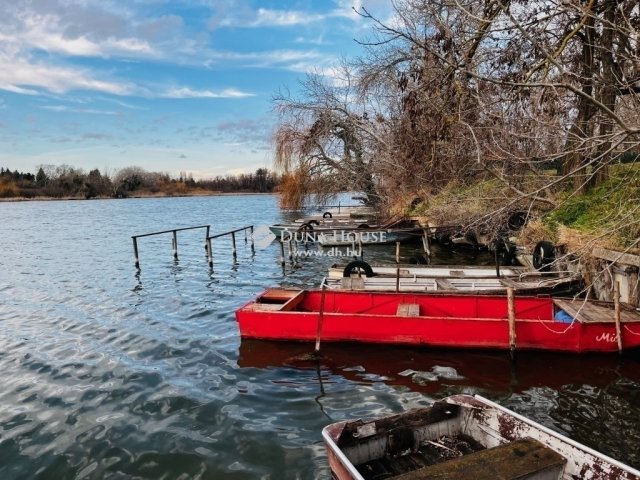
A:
[(60, 199)]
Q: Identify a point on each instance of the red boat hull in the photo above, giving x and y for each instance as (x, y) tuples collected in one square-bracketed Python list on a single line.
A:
[(443, 321)]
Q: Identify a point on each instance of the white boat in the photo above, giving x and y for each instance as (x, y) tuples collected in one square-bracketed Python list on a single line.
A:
[(462, 437), (360, 276)]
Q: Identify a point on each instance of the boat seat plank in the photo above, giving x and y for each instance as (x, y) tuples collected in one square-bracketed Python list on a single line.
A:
[(408, 310), (593, 313), (519, 460), (444, 284)]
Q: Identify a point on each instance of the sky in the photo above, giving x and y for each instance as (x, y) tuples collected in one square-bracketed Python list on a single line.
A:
[(166, 85)]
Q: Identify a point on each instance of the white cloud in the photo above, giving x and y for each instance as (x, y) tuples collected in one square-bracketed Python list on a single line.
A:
[(17, 74), (186, 92)]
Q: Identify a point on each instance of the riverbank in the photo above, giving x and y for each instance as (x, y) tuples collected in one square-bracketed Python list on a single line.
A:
[(145, 195)]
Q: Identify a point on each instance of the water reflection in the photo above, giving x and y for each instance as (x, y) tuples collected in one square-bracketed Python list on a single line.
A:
[(110, 372)]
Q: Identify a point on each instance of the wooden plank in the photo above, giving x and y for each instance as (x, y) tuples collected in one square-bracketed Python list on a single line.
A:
[(591, 313), (519, 460), (408, 310), (444, 284), (616, 257)]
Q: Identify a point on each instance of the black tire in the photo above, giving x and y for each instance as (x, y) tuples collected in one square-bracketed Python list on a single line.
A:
[(352, 267), (543, 256), (327, 215), (516, 221), (306, 226), (313, 222), (363, 225)]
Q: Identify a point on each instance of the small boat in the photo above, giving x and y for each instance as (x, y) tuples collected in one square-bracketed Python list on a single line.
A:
[(359, 275), (439, 320), (462, 437)]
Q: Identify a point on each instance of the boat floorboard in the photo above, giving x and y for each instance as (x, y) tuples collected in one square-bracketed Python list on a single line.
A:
[(432, 453), (589, 312)]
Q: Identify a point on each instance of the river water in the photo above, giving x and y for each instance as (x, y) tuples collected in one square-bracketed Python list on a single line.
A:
[(107, 373)]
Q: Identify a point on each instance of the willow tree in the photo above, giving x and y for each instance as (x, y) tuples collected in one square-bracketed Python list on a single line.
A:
[(326, 140)]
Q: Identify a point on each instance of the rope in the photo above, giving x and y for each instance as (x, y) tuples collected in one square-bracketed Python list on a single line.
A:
[(553, 331), (631, 331)]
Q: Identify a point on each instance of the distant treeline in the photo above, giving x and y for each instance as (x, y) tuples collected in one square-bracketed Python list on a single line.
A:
[(65, 181)]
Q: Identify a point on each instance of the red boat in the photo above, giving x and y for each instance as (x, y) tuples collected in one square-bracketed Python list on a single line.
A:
[(460, 321)]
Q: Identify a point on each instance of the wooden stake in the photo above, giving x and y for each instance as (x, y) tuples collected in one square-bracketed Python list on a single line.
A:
[(397, 252), (512, 320), (397, 279), (616, 305), (320, 319), (425, 241)]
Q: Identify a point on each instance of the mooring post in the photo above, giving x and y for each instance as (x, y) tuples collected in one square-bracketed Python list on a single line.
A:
[(320, 318), (497, 259), (616, 306), (397, 279), (233, 243), (135, 252), (282, 258), (253, 246), (425, 242), (206, 236), (512, 321), (174, 244), (209, 252), (397, 252)]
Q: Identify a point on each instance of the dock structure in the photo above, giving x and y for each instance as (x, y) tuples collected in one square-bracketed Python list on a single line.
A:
[(174, 240), (232, 234)]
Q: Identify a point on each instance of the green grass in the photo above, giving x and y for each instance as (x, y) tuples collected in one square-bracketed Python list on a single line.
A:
[(611, 209)]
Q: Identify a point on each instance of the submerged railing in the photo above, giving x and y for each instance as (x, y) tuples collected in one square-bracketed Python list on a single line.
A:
[(232, 233), (174, 240)]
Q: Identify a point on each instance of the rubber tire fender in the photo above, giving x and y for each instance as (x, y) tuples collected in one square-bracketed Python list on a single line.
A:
[(327, 215), (358, 264), (306, 226), (543, 255)]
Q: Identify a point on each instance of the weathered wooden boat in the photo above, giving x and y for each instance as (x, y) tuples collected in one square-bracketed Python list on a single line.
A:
[(458, 321), (359, 275), (462, 437)]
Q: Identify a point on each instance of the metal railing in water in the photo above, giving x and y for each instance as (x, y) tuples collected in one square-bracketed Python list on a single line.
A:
[(174, 240)]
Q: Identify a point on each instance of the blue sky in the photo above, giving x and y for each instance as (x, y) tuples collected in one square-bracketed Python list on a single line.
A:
[(182, 85)]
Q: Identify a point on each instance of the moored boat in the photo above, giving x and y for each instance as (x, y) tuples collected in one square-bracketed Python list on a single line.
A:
[(451, 320), (462, 437), (358, 275)]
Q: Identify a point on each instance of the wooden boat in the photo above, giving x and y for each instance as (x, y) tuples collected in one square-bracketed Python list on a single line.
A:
[(462, 437), (428, 278), (458, 321)]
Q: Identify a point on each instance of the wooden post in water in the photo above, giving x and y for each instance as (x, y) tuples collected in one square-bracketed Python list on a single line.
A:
[(209, 252), (282, 258), (397, 252), (206, 236), (135, 252), (512, 321), (233, 244), (425, 242), (616, 306), (175, 245), (320, 318), (253, 246), (397, 279)]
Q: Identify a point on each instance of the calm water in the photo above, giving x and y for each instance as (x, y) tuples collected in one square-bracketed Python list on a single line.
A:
[(109, 374)]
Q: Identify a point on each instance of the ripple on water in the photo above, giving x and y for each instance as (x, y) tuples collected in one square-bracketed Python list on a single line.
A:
[(109, 373)]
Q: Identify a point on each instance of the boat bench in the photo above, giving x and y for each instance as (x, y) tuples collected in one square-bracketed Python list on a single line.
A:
[(525, 459), (408, 310)]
